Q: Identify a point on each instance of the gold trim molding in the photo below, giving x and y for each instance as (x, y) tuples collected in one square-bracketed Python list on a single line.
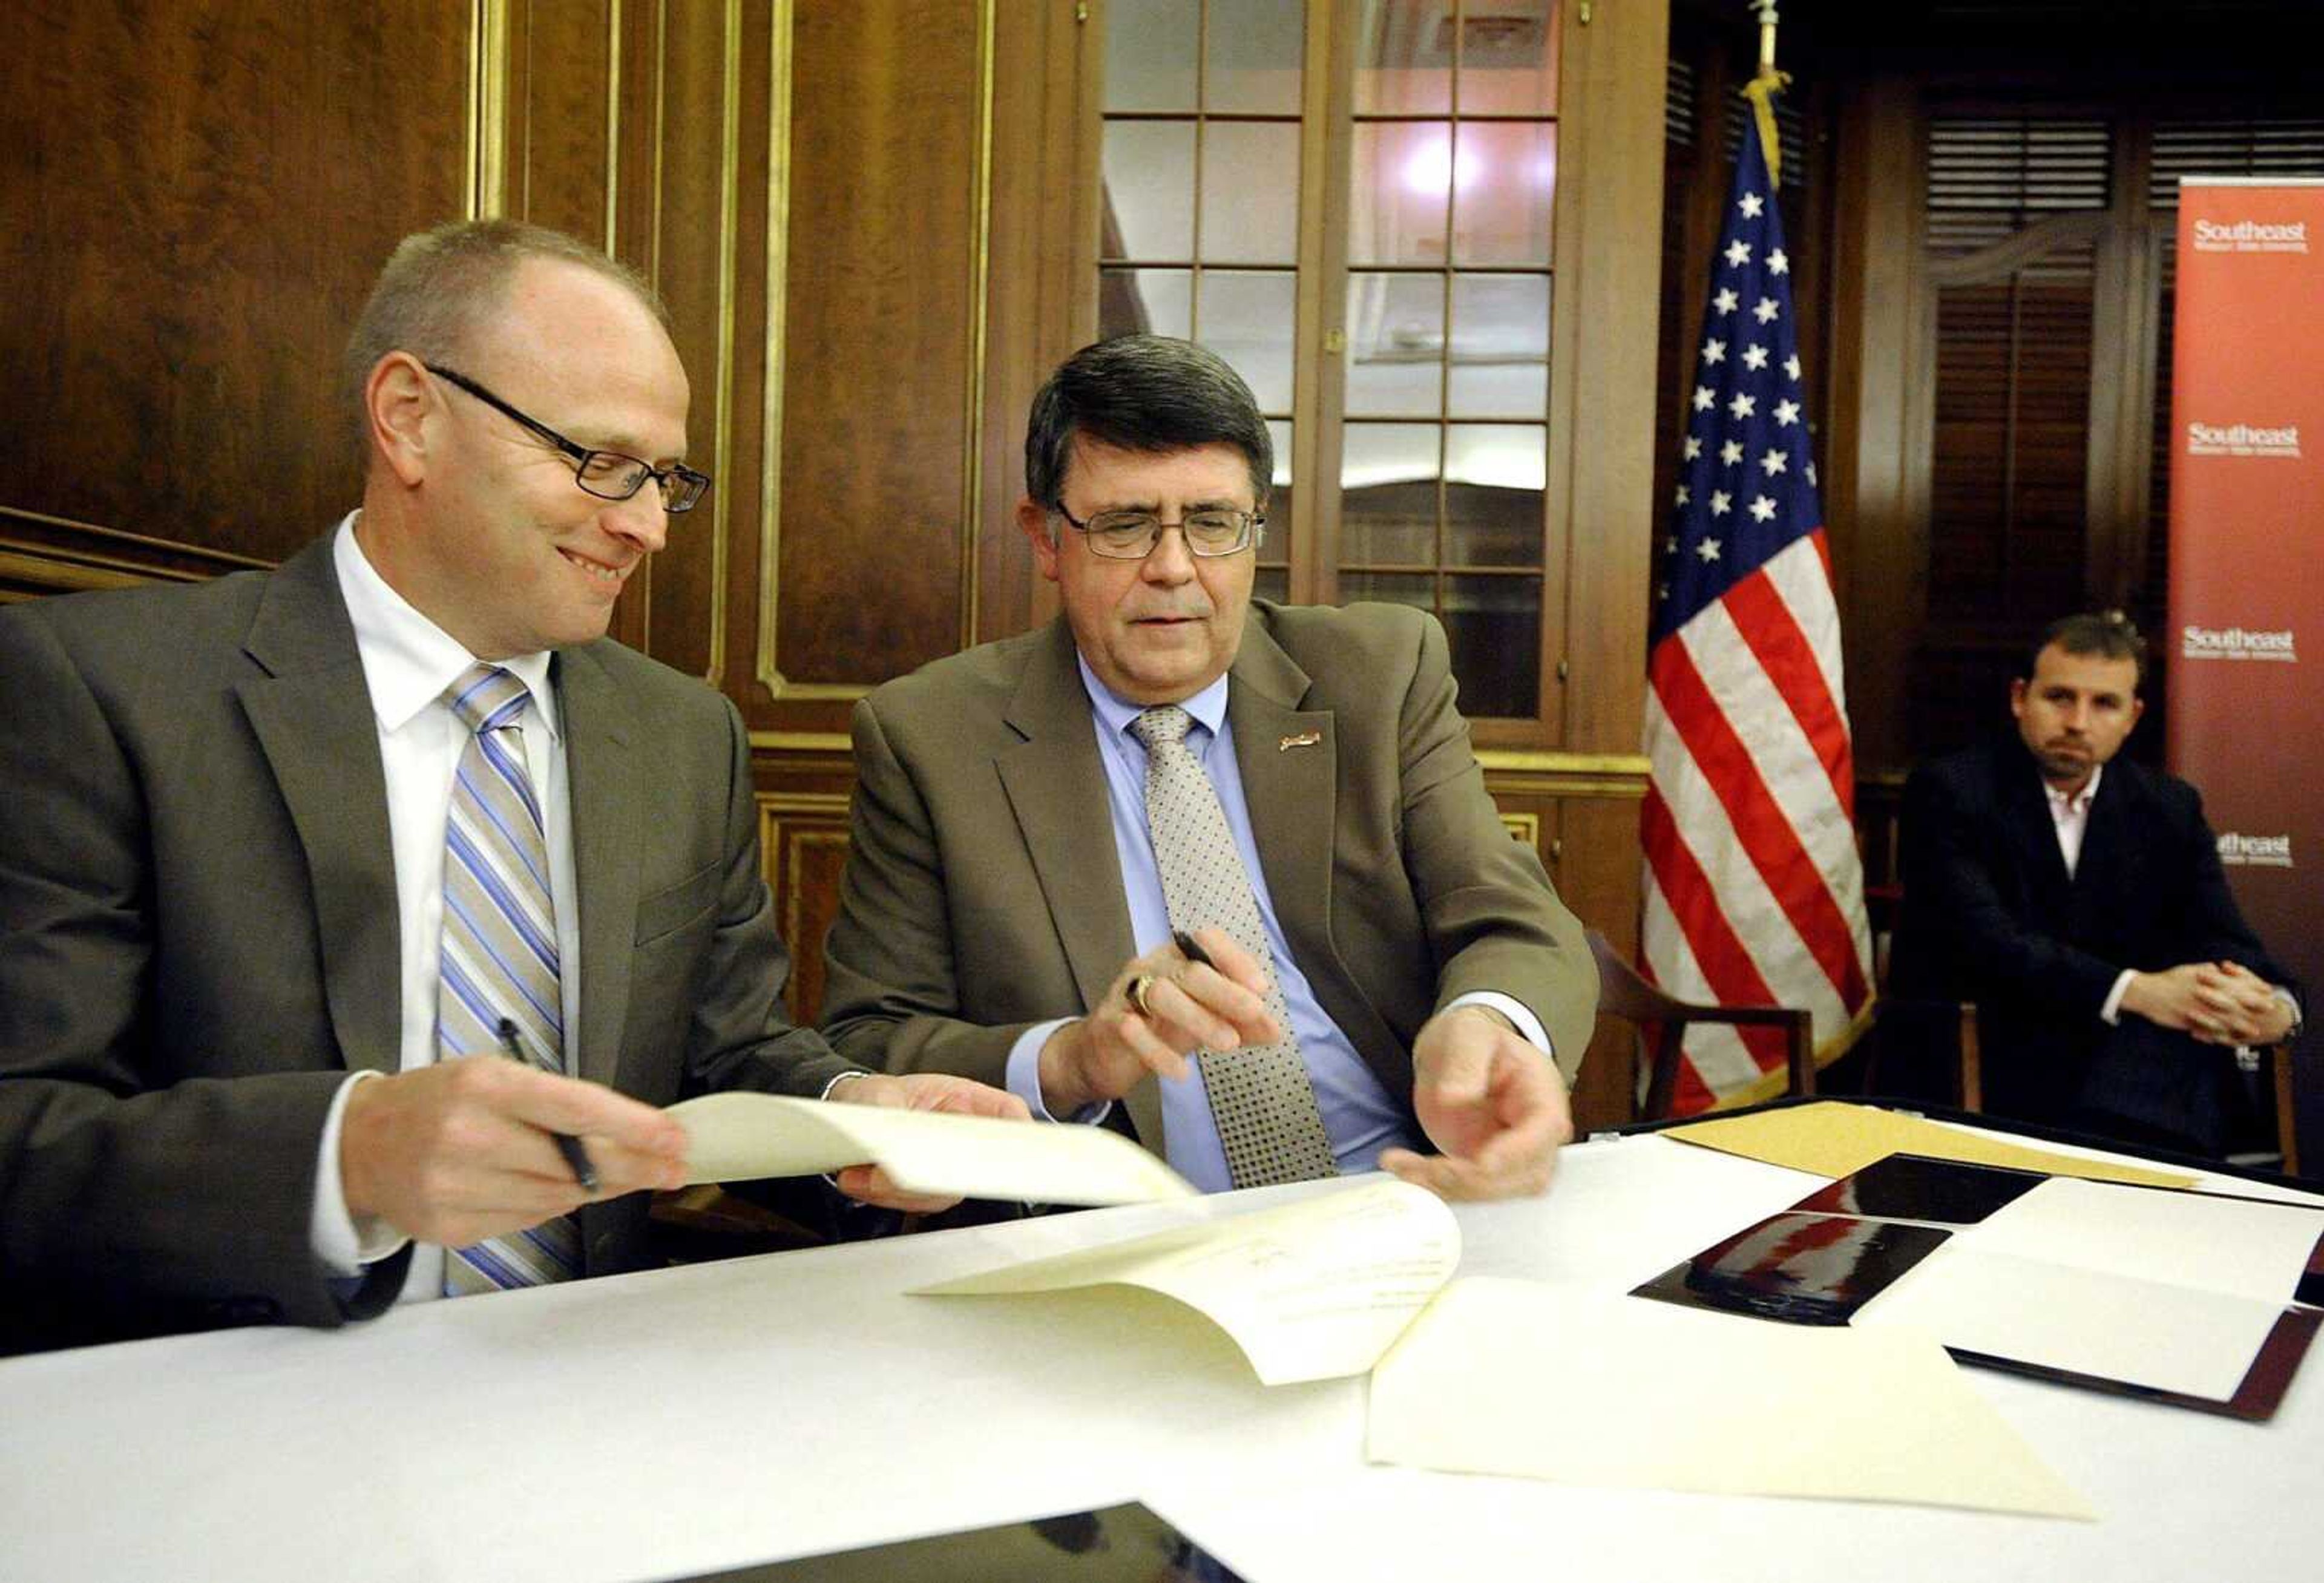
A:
[(486, 196), (789, 824), (1495, 760), (613, 127), (1523, 759), (730, 178), (802, 742), (770, 414), (1566, 775), (972, 502), (61, 555)]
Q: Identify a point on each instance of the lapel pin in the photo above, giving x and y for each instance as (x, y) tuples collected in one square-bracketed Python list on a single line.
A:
[(1306, 739)]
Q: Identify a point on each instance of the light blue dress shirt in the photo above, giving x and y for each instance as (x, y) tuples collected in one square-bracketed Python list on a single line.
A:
[(1359, 1116)]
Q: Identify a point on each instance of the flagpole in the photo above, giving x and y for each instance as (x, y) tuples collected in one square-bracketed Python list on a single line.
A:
[(1754, 887), (1763, 88)]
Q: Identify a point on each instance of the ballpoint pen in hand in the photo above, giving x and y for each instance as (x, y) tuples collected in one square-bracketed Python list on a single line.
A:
[(1191, 949), (576, 1157)]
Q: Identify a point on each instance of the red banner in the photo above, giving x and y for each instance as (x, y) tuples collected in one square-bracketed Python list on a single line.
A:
[(2247, 561)]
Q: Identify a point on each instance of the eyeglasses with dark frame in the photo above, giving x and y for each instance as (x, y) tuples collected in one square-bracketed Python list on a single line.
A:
[(1132, 536), (610, 475)]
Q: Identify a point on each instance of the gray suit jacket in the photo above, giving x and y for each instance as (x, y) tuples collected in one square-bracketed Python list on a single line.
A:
[(983, 894), (199, 939)]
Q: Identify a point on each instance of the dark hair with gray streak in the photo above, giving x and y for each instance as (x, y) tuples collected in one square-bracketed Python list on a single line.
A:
[(438, 286), (2101, 634), (1143, 393)]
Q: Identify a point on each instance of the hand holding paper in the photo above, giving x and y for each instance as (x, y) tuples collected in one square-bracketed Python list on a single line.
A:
[(923, 1153), (930, 1092)]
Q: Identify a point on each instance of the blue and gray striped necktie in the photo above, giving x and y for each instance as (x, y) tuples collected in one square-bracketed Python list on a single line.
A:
[(499, 948)]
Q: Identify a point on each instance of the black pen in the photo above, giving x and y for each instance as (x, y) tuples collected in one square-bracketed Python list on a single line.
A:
[(1189, 948), (568, 1144)]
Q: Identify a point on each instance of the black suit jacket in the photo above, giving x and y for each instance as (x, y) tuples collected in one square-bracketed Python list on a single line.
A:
[(1991, 916), (199, 939)]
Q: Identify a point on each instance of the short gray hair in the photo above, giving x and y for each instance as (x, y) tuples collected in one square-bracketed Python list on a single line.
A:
[(1143, 393), (439, 286)]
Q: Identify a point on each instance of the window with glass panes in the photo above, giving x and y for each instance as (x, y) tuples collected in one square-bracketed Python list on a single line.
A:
[(1437, 133), (1200, 219)]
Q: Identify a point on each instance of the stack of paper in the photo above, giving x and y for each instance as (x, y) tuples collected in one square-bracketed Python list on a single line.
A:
[(1313, 1290), (2169, 1291), (1525, 1379)]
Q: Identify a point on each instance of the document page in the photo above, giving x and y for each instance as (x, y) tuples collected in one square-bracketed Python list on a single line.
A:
[(1537, 1381), (2112, 1327), (739, 1136), (1310, 1290), (1839, 1140), (2238, 1247)]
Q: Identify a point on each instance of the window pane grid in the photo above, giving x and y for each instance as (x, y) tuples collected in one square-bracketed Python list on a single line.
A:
[(1203, 135), (1446, 393), (1440, 429)]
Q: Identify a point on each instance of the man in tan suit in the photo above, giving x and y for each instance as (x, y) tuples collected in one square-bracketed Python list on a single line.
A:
[(1008, 913), (230, 848)]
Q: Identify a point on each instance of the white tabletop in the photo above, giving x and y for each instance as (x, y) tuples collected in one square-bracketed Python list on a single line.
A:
[(671, 1423)]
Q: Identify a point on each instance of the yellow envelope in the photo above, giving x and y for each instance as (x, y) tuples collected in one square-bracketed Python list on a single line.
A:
[(1839, 1140)]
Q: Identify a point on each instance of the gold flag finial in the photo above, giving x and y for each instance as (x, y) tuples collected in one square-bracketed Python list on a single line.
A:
[(1762, 89)]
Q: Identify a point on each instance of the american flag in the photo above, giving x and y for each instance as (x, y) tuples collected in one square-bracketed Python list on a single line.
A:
[(1754, 888)]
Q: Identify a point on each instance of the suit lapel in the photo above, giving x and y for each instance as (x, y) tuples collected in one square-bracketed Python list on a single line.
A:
[(1057, 788), (2103, 869), (1289, 763), (608, 800), (2026, 806), (312, 714)]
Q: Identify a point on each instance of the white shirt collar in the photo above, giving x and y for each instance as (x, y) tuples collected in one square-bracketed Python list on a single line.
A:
[(2063, 805), (408, 661)]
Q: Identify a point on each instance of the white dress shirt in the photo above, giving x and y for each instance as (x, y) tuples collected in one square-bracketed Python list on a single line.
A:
[(408, 662), (2069, 813)]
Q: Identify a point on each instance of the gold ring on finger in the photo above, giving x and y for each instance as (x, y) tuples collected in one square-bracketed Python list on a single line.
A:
[(1135, 993)]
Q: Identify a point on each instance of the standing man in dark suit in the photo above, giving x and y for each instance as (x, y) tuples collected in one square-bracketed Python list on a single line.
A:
[(2078, 899), (1375, 961), (287, 861)]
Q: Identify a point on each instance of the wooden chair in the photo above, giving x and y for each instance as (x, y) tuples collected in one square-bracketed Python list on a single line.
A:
[(1623, 993), (2287, 1129), (1956, 1020), (1885, 901), (2277, 1056)]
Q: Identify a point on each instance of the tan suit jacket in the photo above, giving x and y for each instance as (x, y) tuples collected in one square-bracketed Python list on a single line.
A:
[(199, 940), (983, 894)]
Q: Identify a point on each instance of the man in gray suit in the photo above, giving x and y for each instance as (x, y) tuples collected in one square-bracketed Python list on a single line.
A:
[(251, 996), (1376, 964)]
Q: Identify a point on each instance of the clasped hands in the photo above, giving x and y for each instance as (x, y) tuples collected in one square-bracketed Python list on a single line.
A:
[(464, 1149), (1493, 1103), (2214, 1002)]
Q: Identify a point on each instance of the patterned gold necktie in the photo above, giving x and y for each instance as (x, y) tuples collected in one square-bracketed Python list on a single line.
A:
[(500, 962), (1261, 1097)]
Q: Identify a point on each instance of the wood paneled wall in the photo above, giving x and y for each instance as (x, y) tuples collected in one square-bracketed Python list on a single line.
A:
[(194, 199), (865, 219)]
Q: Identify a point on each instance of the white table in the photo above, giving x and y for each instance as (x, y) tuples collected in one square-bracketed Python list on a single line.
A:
[(680, 1421)]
